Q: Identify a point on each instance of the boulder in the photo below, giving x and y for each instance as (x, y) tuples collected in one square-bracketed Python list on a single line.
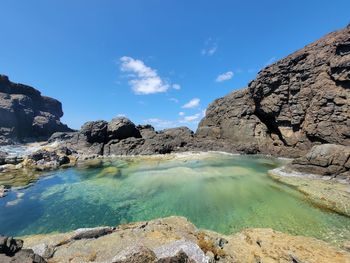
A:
[(122, 128), (9, 246)]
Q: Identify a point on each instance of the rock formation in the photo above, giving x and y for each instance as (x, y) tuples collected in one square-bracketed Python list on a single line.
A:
[(174, 239), (121, 137), (11, 251), (293, 104), (327, 159), (27, 115)]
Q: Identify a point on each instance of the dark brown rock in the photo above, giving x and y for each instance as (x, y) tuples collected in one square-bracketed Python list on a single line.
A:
[(26, 115), (293, 104), (327, 159), (122, 128)]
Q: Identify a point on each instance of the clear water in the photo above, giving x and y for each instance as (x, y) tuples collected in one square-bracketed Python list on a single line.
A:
[(215, 191)]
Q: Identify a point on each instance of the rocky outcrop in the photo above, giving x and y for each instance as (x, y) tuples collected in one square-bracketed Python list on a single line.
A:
[(27, 115), (11, 251), (176, 240), (293, 104), (327, 159), (120, 136)]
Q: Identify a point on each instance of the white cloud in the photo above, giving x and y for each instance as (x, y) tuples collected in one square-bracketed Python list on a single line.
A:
[(181, 113), (224, 76), (160, 123), (210, 47), (145, 80), (193, 103), (176, 86), (121, 115), (174, 100), (192, 118)]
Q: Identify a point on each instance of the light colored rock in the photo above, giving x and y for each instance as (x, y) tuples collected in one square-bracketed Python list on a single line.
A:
[(44, 250), (170, 234), (135, 254), (192, 250)]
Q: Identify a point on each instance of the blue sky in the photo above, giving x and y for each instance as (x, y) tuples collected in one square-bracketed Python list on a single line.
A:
[(155, 61)]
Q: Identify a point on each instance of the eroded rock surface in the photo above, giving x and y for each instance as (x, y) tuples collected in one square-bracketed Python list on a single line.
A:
[(327, 159), (120, 136), (11, 251), (174, 239), (27, 115), (293, 104)]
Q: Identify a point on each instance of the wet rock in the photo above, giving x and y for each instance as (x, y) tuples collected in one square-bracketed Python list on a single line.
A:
[(84, 233)]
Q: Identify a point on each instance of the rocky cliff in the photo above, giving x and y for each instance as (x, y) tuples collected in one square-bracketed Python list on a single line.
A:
[(293, 104), (27, 115)]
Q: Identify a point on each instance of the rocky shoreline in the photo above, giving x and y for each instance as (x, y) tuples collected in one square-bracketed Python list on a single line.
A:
[(174, 239), (298, 107)]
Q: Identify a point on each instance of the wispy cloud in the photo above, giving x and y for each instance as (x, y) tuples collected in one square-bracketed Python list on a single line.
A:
[(210, 47), (174, 100), (191, 118), (181, 113), (160, 123), (144, 79), (176, 86), (224, 76), (193, 103)]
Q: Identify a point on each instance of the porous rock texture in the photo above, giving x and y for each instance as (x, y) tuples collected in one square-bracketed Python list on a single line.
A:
[(27, 115), (174, 239), (120, 136), (293, 104)]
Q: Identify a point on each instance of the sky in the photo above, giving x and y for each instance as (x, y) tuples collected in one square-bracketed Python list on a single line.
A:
[(154, 61)]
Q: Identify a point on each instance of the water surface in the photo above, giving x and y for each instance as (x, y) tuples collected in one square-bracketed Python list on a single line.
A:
[(215, 191)]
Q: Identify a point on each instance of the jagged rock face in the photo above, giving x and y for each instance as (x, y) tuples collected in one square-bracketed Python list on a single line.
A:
[(120, 136), (299, 101), (26, 114)]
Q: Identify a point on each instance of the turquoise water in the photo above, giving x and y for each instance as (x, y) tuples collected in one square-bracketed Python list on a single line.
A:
[(215, 191)]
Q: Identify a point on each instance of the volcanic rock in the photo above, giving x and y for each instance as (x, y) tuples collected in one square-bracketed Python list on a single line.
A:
[(293, 104), (327, 159)]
